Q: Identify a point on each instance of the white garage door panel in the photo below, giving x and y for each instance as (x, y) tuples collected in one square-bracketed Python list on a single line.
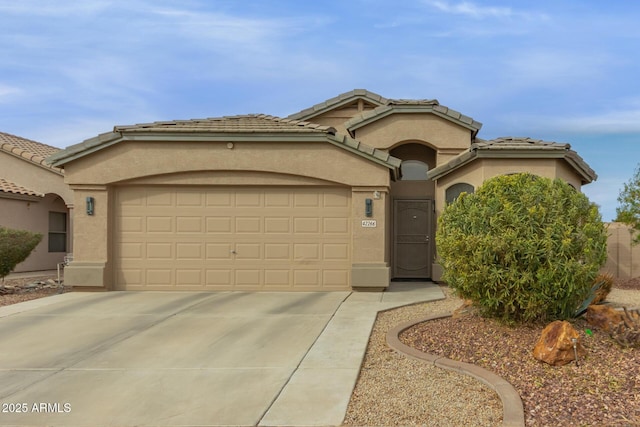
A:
[(194, 238)]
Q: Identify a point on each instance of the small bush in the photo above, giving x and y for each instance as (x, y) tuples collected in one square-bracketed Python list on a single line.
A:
[(15, 247), (523, 248)]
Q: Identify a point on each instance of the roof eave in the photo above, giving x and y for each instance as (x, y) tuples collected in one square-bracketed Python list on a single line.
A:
[(453, 164), (386, 110), (84, 148), (462, 159), (91, 146), (582, 168), (337, 102), (18, 196), (374, 155)]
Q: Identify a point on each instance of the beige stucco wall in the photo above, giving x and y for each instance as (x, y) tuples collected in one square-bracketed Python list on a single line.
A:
[(34, 177), (567, 173), (130, 160), (337, 118), (34, 216), (433, 130), (479, 170), (91, 239), (370, 254), (213, 163)]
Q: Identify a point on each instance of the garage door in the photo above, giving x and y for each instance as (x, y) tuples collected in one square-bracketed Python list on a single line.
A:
[(229, 238)]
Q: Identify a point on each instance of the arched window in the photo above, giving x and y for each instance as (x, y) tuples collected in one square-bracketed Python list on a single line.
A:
[(414, 170), (455, 190)]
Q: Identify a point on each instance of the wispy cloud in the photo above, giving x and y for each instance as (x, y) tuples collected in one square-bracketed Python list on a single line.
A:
[(620, 121), (470, 9), (554, 67), (52, 8), (222, 28), (65, 133), (475, 11), (606, 116), (8, 92)]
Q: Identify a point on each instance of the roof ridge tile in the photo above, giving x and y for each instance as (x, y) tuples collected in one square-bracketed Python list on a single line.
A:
[(337, 101)]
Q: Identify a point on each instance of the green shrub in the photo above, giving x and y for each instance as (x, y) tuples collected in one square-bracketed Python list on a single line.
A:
[(523, 248), (15, 247)]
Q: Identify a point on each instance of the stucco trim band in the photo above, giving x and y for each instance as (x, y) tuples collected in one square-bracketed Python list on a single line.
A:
[(513, 409)]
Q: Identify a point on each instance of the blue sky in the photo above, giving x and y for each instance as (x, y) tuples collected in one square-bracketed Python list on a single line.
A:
[(564, 71)]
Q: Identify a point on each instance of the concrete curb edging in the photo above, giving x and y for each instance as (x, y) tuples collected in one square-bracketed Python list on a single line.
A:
[(513, 410)]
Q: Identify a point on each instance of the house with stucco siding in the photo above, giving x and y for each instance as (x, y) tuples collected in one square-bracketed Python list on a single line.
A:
[(342, 195), (34, 197)]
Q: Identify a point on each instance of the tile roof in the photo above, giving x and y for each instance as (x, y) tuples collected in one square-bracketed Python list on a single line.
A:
[(29, 150), (516, 147), (250, 125), (385, 106), (412, 106), (340, 100), (515, 143), (10, 187)]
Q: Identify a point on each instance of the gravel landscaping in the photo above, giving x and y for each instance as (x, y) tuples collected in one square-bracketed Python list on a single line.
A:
[(22, 289), (394, 390), (602, 390)]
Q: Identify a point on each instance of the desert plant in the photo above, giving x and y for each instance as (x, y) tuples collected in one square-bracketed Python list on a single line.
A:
[(15, 247), (627, 332), (522, 247), (601, 288), (606, 283), (629, 210)]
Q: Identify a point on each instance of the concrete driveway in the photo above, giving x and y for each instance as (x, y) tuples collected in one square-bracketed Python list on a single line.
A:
[(175, 359)]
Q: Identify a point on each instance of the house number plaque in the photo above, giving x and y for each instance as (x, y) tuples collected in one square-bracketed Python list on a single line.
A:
[(369, 223)]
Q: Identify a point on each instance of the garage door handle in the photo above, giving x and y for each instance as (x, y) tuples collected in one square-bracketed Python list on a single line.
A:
[(233, 251)]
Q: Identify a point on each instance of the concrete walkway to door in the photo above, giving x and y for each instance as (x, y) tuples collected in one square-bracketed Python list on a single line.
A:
[(187, 358)]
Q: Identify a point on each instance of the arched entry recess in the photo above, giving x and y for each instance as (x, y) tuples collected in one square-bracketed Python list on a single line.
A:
[(413, 213)]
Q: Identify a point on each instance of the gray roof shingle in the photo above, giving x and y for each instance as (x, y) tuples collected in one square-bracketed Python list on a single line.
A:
[(340, 100), (248, 123)]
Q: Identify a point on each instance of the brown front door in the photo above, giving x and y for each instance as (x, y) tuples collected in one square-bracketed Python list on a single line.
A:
[(412, 239)]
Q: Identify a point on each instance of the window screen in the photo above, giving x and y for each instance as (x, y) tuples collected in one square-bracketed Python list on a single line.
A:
[(455, 190), (57, 232), (414, 170)]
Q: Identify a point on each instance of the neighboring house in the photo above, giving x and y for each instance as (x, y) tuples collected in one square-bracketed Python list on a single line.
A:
[(342, 195), (34, 197)]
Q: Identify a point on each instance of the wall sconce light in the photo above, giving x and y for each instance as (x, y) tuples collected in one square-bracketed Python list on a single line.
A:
[(90, 205), (368, 207)]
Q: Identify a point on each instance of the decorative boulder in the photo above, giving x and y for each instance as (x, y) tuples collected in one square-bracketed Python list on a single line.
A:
[(555, 345), (604, 317), (464, 310)]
